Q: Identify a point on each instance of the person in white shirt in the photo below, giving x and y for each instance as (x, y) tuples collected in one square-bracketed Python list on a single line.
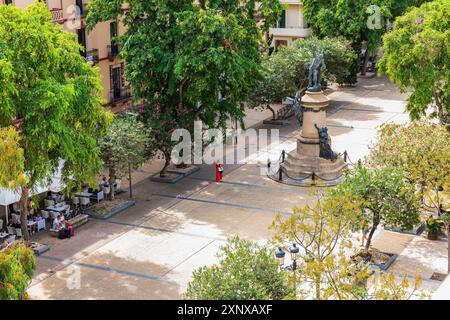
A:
[(57, 223)]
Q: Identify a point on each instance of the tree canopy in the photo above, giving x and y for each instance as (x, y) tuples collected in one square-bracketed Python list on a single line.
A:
[(244, 272), (11, 159), (386, 196), (285, 72), (125, 144), (55, 94), (17, 265), (416, 56), (421, 150), (362, 21), (189, 60)]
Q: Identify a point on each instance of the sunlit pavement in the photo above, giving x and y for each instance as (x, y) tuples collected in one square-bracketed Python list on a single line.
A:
[(150, 250)]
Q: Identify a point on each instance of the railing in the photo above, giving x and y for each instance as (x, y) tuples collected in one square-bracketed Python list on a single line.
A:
[(92, 56), (113, 51), (117, 95), (57, 14)]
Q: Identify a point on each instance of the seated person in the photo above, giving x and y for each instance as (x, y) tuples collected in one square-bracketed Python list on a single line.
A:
[(104, 183), (57, 224), (38, 217)]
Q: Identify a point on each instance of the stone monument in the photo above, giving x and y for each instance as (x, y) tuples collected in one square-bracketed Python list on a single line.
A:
[(313, 160)]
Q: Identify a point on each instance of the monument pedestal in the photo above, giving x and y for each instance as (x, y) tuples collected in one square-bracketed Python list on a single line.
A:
[(304, 166)]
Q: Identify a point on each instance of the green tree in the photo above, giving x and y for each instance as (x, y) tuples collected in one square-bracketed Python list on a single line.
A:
[(285, 70), (422, 151), (55, 95), (11, 159), (188, 60), (124, 147), (325, 269), (244, 272), (319, 229), (361, 22), (386, 197), (416, 55), (17, 265)]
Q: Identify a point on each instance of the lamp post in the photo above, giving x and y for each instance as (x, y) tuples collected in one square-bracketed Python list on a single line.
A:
[(280, 255)]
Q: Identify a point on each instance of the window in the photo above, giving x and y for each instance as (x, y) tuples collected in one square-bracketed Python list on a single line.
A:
[(282, 22), (113, 30), (79, 4), (8, 1), (119, 89), (81, 33)]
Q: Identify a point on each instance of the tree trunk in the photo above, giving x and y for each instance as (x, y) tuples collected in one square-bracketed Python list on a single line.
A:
[(317, 282), (369, 238), (366, 60), (440, 108), (23, 204), (112, 180), (162, 174), (274, 116)]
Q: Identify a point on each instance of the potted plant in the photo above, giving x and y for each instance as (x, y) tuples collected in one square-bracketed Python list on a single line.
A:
[(434, 228)]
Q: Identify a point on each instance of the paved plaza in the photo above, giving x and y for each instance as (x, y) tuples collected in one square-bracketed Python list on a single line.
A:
[(150, 250)]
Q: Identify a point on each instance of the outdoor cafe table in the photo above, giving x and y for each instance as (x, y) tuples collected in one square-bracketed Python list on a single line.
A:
[(3, 236), (84, 194), (57, 209)]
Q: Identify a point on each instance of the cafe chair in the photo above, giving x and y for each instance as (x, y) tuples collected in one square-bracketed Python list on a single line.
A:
[(49, 203), (11, 230), (19, 232), (45, 214), (10, 239)]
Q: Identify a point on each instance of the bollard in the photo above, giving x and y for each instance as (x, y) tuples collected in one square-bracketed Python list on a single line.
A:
[(280, 175), (268, 164), (313, 177), (345, 156), (283, 156)]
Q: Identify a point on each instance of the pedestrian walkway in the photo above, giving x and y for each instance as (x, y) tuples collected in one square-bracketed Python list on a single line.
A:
[(150, 250)]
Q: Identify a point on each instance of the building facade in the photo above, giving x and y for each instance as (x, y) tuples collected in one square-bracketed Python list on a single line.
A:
[(98, 44), (291, 26)]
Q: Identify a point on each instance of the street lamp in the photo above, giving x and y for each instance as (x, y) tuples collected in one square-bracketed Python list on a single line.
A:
[(279, 254), (294, 255)]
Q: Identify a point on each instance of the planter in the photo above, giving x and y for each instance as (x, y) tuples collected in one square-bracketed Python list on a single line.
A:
[(417, 230), (112, 213), (433, 236), (388, 260)]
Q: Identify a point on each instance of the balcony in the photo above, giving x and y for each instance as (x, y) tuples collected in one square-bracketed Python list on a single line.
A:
[(92, 56), (57, 15), (113, 51), (290, 32), (119, 94)]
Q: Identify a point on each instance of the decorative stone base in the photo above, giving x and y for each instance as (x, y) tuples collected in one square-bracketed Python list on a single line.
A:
[(304, 166), (297, 168), (174, 174)]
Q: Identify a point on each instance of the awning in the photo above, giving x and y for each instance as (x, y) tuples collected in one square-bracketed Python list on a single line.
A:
[(8, 197)]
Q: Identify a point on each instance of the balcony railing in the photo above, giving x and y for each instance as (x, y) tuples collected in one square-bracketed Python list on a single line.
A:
[(113, 51), (117, 95), (57, 14), (92, 56), (290, 32)]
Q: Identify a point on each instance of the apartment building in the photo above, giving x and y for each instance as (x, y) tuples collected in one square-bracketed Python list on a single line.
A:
[(99, 49), (291, 26)]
